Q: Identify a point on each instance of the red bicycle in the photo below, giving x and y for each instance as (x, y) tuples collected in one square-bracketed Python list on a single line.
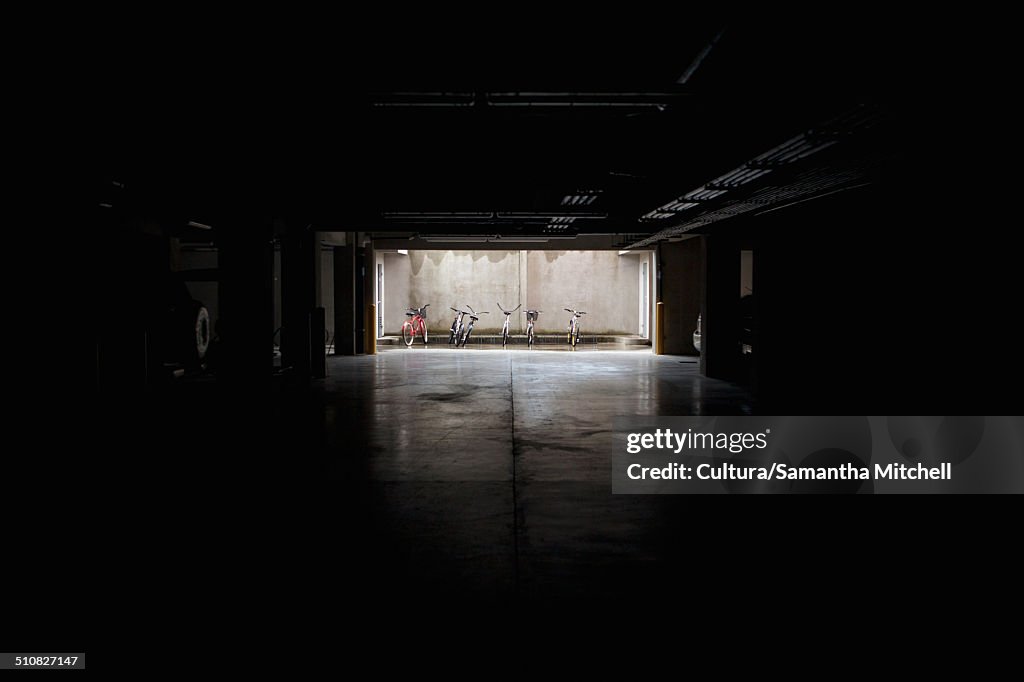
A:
[(416, 324)]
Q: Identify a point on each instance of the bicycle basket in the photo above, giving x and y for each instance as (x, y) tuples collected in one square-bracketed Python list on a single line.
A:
[(531, 316)]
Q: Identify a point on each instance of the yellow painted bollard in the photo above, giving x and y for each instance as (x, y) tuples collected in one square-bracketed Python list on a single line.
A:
[(659, 337), (371, 329)]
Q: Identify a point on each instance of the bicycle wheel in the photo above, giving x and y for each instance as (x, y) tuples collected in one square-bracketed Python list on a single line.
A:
[(576, 338), (465, 337), (504, 338), (408, 334), (529, 337), (423, 328)]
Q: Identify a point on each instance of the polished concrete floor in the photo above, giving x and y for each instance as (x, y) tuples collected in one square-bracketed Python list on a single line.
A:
[(486, 474)]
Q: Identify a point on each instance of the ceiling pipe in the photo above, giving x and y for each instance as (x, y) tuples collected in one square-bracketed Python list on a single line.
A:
[(658, 100), (699, 59)]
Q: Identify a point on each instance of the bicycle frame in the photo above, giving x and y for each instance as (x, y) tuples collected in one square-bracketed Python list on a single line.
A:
[(456, 329), (416, 324), (531, 317), (574, 326), (473, 317), (504, 329)]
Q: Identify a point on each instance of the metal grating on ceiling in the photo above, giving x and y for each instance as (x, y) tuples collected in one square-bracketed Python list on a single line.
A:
[(786, 154), (562, 224), (757, 185), (811, 184)]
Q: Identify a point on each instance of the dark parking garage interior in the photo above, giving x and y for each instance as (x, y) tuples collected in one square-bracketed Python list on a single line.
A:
[(254, 230)]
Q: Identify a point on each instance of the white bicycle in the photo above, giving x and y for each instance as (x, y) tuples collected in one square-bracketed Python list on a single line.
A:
[(508, 316), (531, 317), (468, 329), (574, 326)]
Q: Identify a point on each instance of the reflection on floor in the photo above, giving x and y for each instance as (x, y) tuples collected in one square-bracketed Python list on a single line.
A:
[(485, 475)]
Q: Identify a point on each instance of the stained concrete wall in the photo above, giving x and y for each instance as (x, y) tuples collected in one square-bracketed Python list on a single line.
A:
[(396, 294), (602, 283)]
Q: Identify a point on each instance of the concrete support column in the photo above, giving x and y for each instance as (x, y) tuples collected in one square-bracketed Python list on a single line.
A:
[(659, 318), (681, 273), (720, 308), (345, 297), (299, 256), (246, 304), (360, 300), (519, 320), (370, 299)]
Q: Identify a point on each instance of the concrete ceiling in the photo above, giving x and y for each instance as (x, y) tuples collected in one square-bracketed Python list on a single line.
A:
[(464, 137)]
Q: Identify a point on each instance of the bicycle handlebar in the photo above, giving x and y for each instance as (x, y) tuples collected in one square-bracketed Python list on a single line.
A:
[(422, 308), (575, 312), (509, 312)]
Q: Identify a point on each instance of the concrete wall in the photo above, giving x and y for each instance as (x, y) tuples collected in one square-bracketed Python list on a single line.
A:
[(602, 283), (680, 264), (277, 292), (396, 294), (326, 290), (746, 273), (207, 292), (327, 286)]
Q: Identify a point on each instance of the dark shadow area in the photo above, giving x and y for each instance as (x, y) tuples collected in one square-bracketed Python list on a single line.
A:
[(225, 471)]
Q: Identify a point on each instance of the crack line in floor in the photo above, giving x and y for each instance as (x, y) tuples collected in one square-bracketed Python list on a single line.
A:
[(515, 501)]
